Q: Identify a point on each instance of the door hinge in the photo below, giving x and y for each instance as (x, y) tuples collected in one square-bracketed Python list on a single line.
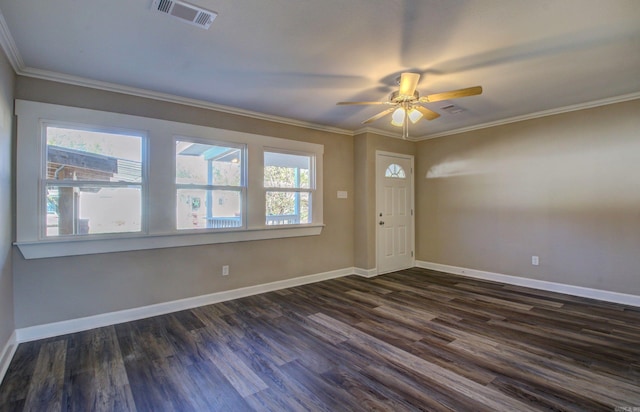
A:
[(412, 253), (411, 212)]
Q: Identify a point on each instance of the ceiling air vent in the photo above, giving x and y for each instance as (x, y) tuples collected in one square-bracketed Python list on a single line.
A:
[(452, 109), (186, 12)]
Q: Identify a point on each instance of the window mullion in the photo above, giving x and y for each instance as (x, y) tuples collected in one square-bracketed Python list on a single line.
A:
[(89, 183), (207, 187)]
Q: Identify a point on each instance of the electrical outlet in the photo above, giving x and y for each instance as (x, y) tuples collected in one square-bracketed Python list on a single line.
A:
[(535, 260), (225, 270)]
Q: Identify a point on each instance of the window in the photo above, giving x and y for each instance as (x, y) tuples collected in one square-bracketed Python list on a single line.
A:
[(210, 182), (288, 180), (132, 183), (395, 171), (93, 182)]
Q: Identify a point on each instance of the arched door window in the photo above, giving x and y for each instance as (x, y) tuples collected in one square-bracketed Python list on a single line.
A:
[(395, 171)]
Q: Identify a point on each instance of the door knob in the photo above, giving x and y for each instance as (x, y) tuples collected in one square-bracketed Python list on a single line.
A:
[(381, 223)]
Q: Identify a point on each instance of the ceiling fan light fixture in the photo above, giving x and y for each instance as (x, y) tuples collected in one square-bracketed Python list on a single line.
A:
[(407, 105), (414, 115), (397, 118)]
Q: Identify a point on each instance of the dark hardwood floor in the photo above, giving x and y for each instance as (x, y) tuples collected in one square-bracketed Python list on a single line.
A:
[(411, 340)]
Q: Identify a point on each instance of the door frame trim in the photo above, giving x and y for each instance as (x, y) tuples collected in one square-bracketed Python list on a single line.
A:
[(412, 239)]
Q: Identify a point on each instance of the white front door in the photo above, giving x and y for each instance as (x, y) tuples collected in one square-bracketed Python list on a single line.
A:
[(394, 212)]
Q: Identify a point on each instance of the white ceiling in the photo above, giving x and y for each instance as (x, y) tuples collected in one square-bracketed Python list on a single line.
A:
[(295, 59)]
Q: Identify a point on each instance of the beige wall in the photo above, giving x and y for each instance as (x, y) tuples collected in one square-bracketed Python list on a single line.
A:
[(365, 147), (565, 188), (7, 78), (49, 290)]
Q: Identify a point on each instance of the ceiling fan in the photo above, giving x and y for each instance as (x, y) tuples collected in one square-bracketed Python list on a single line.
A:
[(406, 103)]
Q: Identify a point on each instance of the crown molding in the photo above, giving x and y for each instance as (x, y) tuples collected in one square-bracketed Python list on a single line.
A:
[(9, 46), (536, 115), (171, 98), (379, 132)]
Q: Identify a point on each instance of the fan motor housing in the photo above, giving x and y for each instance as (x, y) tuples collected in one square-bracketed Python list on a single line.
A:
[(396, 97)]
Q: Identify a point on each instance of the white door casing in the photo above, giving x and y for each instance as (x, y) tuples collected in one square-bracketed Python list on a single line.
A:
[(394, 212)]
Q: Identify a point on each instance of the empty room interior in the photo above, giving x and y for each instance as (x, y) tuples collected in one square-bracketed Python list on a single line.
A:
[(335, 205)]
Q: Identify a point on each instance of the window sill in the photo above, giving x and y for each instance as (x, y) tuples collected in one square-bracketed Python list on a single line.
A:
[(84, 246)]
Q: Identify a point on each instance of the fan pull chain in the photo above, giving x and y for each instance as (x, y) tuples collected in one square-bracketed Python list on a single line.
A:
[(405, 124)]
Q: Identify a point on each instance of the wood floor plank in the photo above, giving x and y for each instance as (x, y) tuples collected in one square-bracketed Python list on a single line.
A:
[(13, 391), (545, 397), (456, 361), (492, 399), (95, 375), (262, 337), (46, 388), (239, 375), (417, 394), (413, 340), (600, 388), (359, 387)]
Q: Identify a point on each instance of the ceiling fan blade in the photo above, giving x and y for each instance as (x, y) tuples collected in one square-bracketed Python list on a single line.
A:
[(346, 103), (379, 115), (408, 84), (426, 113), (453, 94)]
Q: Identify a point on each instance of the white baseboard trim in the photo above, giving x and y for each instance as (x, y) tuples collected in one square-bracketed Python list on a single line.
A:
[(48, 330), (605, 295), (365, 273), (7, 353)]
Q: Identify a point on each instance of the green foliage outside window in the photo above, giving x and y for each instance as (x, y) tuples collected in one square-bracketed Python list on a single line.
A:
[(280, 203)]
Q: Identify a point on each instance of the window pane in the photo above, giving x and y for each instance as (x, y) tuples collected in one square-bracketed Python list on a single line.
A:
[(75, 154), (288, 208), (208, 209), (93, 210), (205, 164), (287, 170)]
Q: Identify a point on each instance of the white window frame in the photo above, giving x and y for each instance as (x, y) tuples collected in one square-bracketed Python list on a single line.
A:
[(242, 188), (44, 182), (159, 192), (312, 180)]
